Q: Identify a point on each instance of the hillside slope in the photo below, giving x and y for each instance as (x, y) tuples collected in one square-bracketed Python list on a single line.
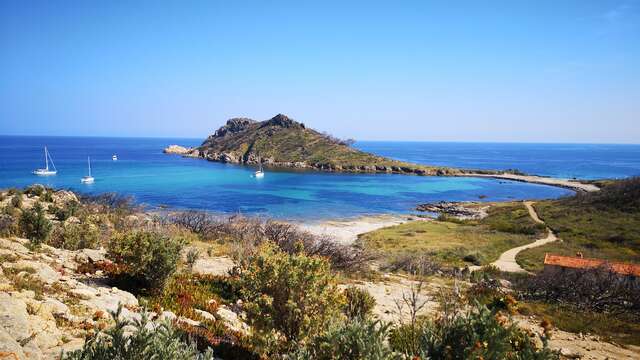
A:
[(283, 142)]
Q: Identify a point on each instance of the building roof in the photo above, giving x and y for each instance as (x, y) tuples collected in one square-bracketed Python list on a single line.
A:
[(585, 263)]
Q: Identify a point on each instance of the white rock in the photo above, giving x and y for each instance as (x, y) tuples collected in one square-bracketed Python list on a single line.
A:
[(205, 315), (232, 320), (14, 316), (9, 345), (43, 272)]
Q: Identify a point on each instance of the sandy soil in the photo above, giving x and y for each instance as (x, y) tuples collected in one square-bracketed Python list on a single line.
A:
[(347, 231), (565, 183)]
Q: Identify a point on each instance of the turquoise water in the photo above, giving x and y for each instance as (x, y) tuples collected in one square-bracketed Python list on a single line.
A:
[(156, 179)]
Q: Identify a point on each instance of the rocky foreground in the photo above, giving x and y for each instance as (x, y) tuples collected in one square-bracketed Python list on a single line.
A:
[(48, 304)]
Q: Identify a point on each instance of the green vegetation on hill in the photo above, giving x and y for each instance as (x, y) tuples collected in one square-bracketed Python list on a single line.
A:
[(604, 224), (281, 141)]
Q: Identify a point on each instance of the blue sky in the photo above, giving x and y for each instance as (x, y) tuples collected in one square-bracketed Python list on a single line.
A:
[(552, 71)]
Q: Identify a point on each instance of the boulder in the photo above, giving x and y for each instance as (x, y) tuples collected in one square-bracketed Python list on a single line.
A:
[(177, 149), (232, 320), (63, 197), (14, 317), (86, 256), (43, 272), (9, 346)]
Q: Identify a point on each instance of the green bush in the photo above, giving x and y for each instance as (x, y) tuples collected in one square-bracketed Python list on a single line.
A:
[(8, 225), (355, 340), (142, 259), (359, 303), (475, 334), (34, 224), (289, 298), (35, 190), (75, 236), (162, 341), (16, 201), (68, 210)]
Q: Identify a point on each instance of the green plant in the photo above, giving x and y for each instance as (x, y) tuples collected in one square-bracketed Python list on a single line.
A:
[(191, 258), (8, 225), (16, 201), (354, 340), (163, 341), (289, 298), (75, 236), (35, 225), (142, 259), (359, 303), (478, 333), (67, 210)]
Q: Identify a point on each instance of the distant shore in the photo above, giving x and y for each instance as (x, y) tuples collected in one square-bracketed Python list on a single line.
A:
[(534, 179)]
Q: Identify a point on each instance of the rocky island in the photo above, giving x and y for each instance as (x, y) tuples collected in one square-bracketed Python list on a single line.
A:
[(286, 143)]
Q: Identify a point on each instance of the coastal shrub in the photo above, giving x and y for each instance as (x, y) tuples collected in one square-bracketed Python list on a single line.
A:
[(245, 235), (16, 201), (142, 259), (289, 298), (68, 210), (478, 333), (191, 258), (138, 340), (34, 224), (75, 236), (8, 225), (599, 290), (416, 263), (355, 340), (35, 190), (359, 303)]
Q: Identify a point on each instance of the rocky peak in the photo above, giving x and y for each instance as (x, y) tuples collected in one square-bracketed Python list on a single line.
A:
[(233, 126), (284, 121)]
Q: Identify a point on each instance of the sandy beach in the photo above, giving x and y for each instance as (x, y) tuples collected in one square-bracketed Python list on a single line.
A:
[(565, 183), (347, 231)]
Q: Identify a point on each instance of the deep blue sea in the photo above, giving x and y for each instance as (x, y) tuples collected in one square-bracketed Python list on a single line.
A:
[(156, 179)]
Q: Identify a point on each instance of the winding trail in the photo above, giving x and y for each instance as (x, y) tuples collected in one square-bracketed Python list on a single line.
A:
[(507, 260)]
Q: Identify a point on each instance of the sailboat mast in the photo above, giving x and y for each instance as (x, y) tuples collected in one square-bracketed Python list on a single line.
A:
[(46, 159), (89, 162)]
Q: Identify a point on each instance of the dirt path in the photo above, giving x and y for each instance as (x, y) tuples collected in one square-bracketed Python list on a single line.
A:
[(507, 260)]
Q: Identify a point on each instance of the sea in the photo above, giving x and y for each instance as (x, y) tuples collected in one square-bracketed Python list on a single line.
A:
[(157, 180)]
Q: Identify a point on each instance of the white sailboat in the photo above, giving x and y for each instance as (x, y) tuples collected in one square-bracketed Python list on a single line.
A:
[(114, 157), (88, 179), (46, 171), (259, 173)]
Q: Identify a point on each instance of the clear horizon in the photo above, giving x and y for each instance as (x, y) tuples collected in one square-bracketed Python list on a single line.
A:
[(373, 71)]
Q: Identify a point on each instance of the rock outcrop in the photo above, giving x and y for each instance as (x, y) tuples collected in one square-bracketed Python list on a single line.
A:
[(286, 143), (464, 211)]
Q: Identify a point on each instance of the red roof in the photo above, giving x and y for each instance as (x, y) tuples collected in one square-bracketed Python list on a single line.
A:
[(584, 263)]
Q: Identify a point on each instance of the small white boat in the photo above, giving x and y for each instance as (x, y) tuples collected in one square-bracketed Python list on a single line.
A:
[(46, 171), (259, 173), (88, 179), (114, 157)]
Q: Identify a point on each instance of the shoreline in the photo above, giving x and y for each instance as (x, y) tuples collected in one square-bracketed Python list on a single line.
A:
[(415, 169), (574, 185), (346, 231)]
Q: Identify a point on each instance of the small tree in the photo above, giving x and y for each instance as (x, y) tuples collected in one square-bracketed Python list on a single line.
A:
[(293, 295), (34, 224)]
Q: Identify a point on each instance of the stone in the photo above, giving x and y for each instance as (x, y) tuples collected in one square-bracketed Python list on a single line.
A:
[(62, 197), (9, 346), (13, 246), (213, 265), (177, 149), (14, 316), (56, 307), (232, 320), (43, 272), (85, 256), (205, 315), (570, 354), (167, 315)]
